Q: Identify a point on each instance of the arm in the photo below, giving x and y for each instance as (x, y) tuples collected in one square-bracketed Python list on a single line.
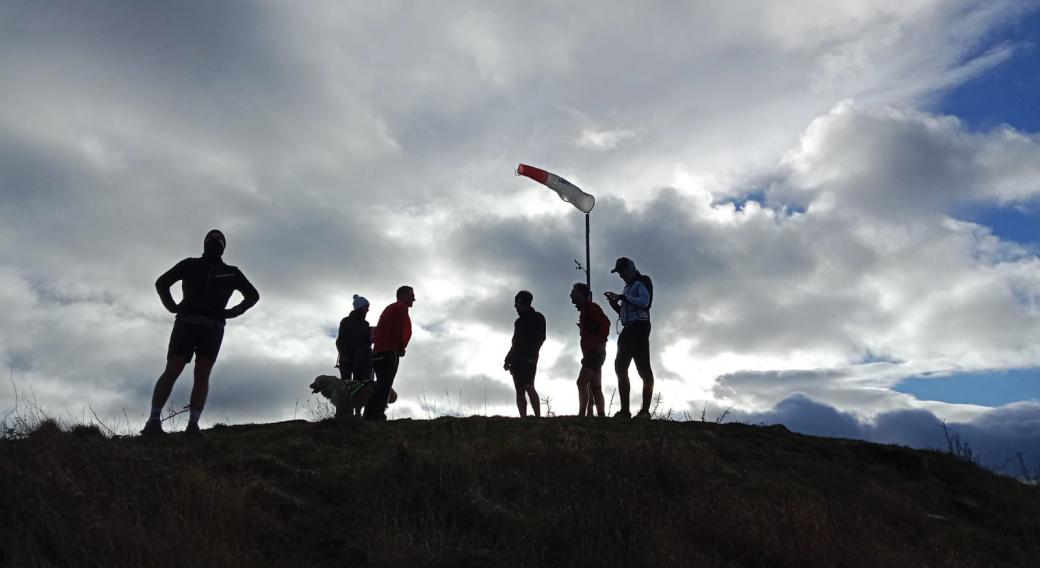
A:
[(249, 296), (539, 334), (637, 295), (163, 284), (603, 333)]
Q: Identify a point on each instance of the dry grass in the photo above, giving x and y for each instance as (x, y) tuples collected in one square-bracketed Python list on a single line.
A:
[(501, 492)]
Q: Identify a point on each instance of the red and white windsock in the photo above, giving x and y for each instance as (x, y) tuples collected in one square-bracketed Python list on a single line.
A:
[(565, 189)]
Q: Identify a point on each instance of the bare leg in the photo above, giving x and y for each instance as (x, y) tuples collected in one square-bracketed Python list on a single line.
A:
[(200, 390), (164, 386), (624, 386), (596, 385), (536, 404), (647, 374), (583, 393), (521, 401)]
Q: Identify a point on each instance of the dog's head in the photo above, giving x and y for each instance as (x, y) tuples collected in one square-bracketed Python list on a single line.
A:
[(323, 384)]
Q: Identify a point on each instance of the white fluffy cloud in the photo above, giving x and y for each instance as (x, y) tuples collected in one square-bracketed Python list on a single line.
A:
[(353, 147)]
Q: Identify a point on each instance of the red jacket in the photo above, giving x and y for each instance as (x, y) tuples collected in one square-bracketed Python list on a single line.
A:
[(394, 329), (594, 325)]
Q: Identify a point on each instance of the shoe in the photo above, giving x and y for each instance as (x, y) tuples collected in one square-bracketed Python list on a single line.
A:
[(153, 428), (642, 415), (623, 414), (193, 430)]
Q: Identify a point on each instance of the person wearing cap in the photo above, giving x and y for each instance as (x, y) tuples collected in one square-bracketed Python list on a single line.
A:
[(393, 332), (206, 286), (633, 307), (522, 358), (354, 343)]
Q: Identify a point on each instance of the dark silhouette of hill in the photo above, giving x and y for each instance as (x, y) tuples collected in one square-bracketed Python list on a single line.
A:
[(502, 492)]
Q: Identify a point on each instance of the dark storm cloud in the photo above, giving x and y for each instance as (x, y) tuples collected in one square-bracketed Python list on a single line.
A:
[(996, 436)]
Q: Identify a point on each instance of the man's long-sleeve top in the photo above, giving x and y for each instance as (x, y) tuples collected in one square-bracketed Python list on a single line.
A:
[(206, 285), (594, 326), (632, 304), (394, 329), (528, 336)]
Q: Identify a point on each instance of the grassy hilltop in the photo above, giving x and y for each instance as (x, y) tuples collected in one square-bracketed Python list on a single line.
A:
[(502, 492)]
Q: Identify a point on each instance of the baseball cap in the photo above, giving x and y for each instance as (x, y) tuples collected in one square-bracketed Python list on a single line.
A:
[(623, 262)]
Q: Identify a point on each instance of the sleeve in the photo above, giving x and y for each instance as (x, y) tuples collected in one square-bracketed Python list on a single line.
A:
[(539, 337), (512, 346), (405, 326), (590, 319), (343, 332), (249, 294), (167, 280), (638, 296), (604, 331)]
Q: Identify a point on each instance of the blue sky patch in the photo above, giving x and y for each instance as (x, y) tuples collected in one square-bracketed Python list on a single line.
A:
[(993, 388), (1010, 92)]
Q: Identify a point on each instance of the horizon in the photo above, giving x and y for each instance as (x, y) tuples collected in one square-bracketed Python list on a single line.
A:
[(838, 205)]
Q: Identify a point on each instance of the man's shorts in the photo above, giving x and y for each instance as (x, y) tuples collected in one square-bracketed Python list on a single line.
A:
[(188, 339), (523, 373), (594, 361), (634, 343)]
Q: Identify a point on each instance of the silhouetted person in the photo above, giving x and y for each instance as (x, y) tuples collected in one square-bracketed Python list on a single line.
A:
[(392, 334), (594, 329), (633, 305), (522, 359), (354, 343), (206, 285)]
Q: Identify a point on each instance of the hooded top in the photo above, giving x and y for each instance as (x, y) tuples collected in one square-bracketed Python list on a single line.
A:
[(206, 284)]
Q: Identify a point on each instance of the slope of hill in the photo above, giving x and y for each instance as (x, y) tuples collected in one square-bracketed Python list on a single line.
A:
[(502, 492)]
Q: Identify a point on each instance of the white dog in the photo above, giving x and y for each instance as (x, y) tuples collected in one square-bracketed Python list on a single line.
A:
[(349, 397)]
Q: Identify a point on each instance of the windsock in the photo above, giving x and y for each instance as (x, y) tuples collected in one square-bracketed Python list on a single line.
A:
[(565, 189)]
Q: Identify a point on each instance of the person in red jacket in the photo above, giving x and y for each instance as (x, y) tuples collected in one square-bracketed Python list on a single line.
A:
[(594, 326), (392, 334)]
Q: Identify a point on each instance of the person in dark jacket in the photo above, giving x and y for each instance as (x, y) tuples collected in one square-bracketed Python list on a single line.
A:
[(522, 359), (354, 343), (206, 286)]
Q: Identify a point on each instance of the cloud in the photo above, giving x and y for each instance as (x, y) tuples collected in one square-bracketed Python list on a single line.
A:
[(603, 139), (995, 437)]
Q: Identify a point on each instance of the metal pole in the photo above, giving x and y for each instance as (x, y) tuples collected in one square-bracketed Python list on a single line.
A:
[(588, 266)]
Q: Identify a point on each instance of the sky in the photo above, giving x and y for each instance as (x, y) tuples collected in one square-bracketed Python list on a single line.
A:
[(837, 202)]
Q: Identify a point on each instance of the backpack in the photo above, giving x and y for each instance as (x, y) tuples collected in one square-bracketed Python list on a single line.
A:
[(646, 281)]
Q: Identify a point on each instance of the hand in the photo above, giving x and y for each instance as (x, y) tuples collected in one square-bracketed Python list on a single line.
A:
[(233, 312), (506, 366), (611, 296), (176, 308), (400, 353)]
